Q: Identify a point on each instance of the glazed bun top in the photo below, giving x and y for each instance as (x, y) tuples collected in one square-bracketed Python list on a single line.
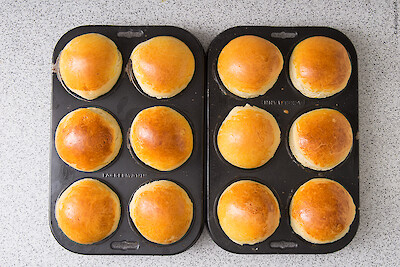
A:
[(163, 66), (88, 211), (319, 67), (161, 138), (249, 66), (321, 139), (248, 212), (322, 211), (248, 137), (88, 139), (90, 65), (161, 211)]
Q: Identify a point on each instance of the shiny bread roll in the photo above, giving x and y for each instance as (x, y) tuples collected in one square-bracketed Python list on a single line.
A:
[(321, 211), (161, 211), (319, 67), (248, 212), (88, 139), (90, 65), (249, 66), (321, 139), (161, 138), (88, 211), (248, 137), (163, 66)]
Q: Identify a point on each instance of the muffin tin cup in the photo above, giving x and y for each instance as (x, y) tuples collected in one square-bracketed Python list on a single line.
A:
[(125, 175), (282, 174)]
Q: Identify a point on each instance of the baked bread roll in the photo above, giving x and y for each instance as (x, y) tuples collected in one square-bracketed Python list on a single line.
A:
[(248, 212), (163, 66), (161, 211), (321, 139), (88, 211), (249, 66), (321, 211), (88, 139), (319, 67), (90, 65), (248, 137), (161, 138)]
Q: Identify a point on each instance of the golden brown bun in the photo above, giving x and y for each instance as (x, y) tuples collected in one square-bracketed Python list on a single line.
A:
[(161, 211), (321, 139), (88, 211), (88, 139), (90, 65), (249, 66), (163, 66), (161, 138), (248, 137), (321, 211), (319, 67), (248, 212)]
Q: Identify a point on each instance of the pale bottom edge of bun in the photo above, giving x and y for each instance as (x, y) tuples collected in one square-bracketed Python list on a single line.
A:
[(111, 158), (148, 89), (298, 84), (298, 229), (299, 155), (154, 165), (255, 241), (242, 94)]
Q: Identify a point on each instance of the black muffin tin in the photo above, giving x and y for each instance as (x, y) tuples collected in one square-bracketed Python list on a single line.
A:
[(282, 174), (127, 173)]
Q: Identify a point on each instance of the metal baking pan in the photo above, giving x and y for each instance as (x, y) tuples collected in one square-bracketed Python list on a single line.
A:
[(126, 173), (282, 174)]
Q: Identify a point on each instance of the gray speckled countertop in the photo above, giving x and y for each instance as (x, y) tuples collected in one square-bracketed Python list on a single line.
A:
[(29, 31)]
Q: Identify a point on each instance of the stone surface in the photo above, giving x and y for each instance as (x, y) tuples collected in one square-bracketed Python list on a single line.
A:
[(29, 31)]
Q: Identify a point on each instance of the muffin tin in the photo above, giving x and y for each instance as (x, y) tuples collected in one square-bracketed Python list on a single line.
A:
[(282, 174), (127, 173)]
